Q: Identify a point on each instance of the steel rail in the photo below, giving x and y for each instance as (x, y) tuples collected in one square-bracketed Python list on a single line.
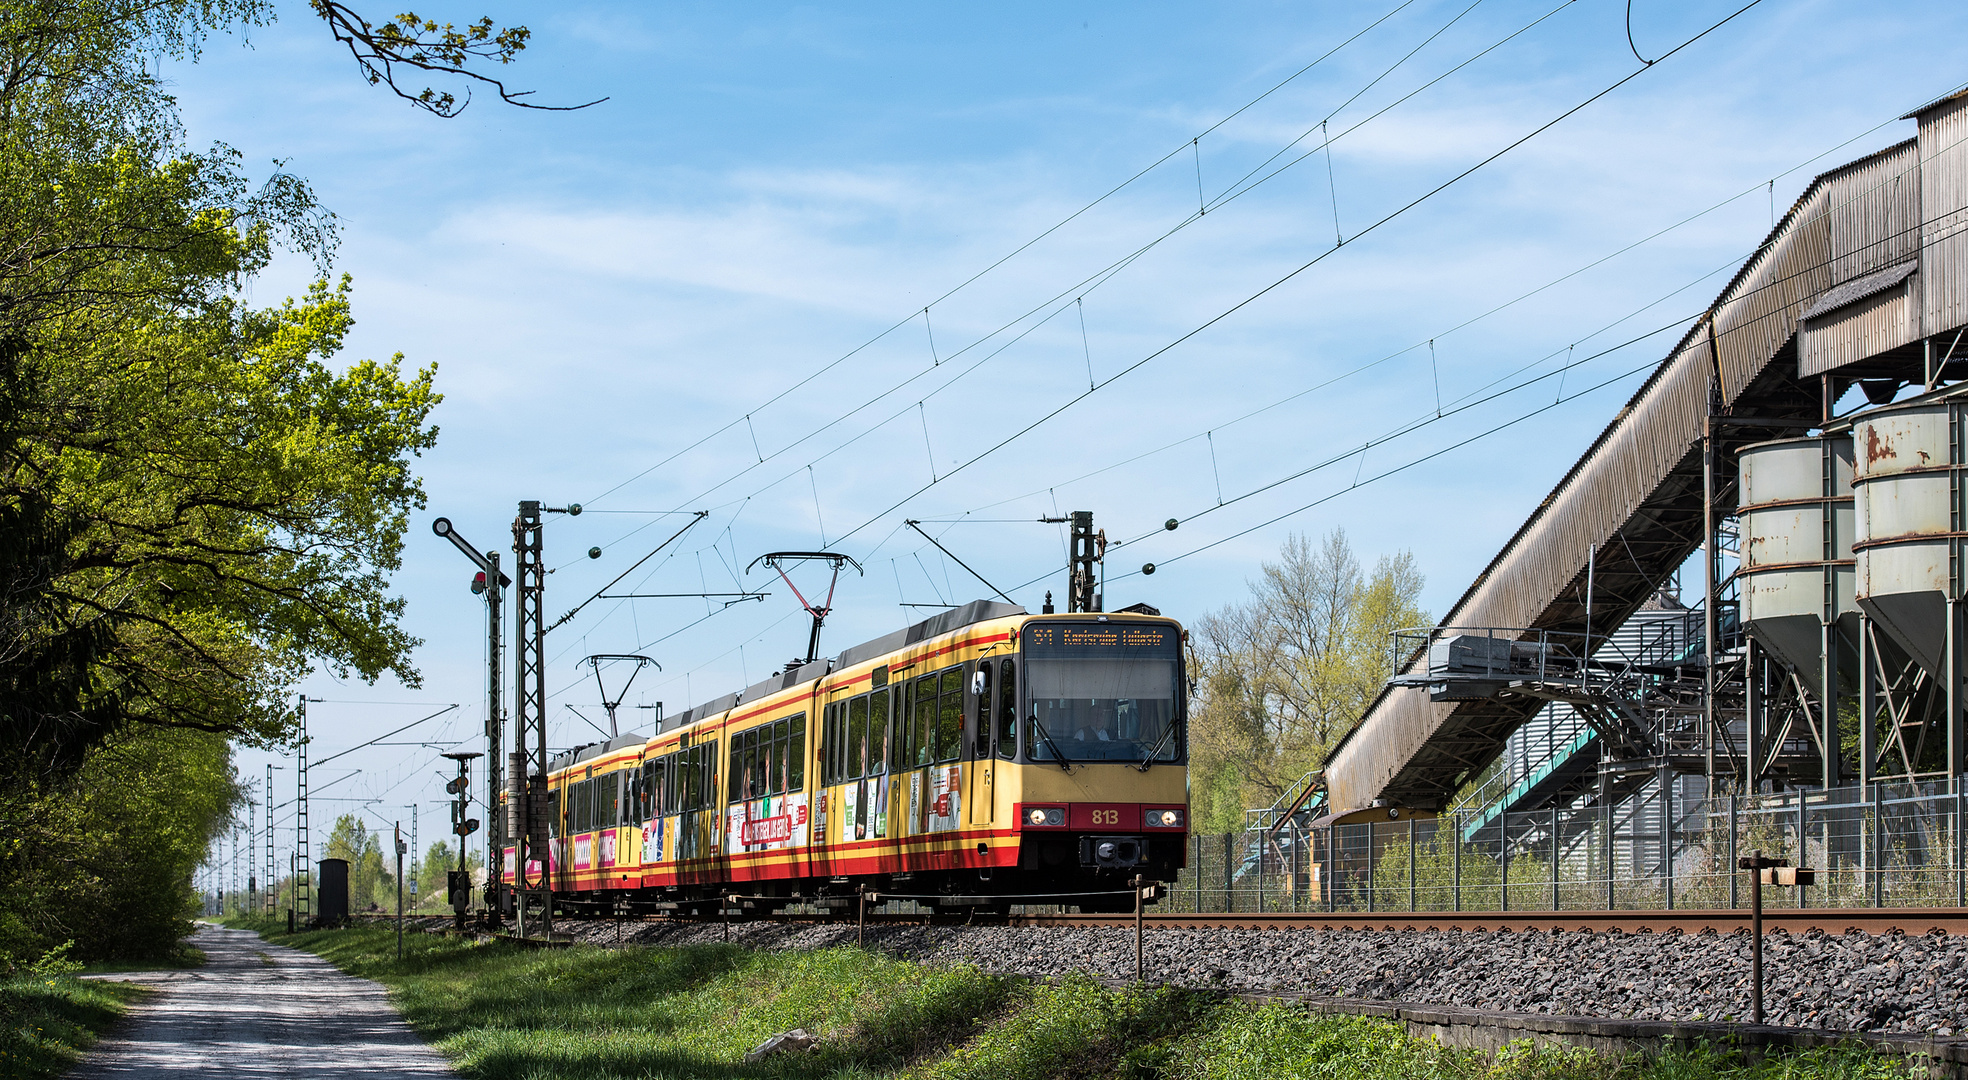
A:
[(1911, 921), (1949, 920)]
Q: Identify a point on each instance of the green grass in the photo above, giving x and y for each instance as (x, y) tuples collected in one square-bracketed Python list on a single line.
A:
[(46, 1021), (499, 1012)]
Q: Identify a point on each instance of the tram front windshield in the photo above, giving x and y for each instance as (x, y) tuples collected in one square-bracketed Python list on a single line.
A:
[(1102, 692)]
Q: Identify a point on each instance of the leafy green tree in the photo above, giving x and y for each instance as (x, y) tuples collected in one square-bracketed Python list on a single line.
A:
[(372, 877), (1284, 676), (105, 862), (198, 502)]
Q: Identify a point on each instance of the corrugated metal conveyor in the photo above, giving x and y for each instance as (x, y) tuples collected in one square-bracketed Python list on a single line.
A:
[(1634, 504)]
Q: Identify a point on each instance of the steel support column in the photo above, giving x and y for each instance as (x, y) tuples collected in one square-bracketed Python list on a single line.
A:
[(303, 865), (495, 740), (1711, 624), (1868, 705), (528, 784), (1749, 780)]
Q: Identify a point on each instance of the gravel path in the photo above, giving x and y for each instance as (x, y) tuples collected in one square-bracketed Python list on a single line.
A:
[(1848, 982), (260, 1010)]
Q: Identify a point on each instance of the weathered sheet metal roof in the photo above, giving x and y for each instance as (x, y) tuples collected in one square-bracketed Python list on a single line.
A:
[(1635, 495)]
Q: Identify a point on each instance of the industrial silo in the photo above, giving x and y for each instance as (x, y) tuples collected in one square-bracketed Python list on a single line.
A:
[(1908, 524), (1797, 563)]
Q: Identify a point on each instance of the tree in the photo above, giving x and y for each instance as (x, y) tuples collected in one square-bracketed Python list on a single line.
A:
[(105, 861), (1284, 676), (196, 507), (426, 46), (372, 878), (440, 859)]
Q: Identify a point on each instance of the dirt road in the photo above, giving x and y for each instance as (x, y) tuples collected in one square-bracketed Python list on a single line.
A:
[(261, 1010)]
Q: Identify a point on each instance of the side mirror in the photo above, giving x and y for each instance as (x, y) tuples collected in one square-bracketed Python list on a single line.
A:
[(977, 682)]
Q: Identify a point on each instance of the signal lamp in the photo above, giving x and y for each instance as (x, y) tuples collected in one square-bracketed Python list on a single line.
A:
[(478, 583)]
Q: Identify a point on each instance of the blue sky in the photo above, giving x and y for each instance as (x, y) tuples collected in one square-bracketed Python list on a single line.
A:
[(771, 189)]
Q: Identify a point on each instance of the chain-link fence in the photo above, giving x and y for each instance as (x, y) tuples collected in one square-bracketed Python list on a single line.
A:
[(1885, 845)]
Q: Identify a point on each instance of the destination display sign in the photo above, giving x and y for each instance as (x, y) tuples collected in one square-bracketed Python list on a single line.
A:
[(1064, 638)]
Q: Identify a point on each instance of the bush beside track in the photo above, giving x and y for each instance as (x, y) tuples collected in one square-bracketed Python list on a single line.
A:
[(499, 1011)]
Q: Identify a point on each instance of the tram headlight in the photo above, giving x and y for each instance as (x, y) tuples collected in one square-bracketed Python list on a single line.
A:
[(1163, 819), (1046, 816)]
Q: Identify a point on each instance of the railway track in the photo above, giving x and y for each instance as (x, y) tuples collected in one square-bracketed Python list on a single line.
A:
[(1913, 921)]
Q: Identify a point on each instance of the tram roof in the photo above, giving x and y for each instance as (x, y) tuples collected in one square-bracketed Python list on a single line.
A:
[(956, 618)]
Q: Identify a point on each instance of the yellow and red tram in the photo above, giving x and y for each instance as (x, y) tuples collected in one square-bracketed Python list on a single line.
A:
[(984, 752)]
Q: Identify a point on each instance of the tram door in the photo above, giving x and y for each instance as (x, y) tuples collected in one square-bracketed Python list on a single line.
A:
[(981, 770)]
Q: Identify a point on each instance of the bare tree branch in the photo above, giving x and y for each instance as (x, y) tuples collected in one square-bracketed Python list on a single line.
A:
[(419, 44)]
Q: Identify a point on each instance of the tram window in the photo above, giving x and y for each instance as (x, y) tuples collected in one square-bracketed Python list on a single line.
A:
[(900, 755), (775, 775), (877, 730), (1007, 711), (577, 817), (857, 739), (984, 699), (613, 786), (796, 754), (554, 803), (832, 750), (949, 716), (738, 744), (651, 800), (922, 726)]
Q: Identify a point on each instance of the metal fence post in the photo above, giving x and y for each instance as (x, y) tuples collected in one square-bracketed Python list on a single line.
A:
[(1878, 831), (1455, 845), (1331, 875), (1608, 808), (1261, 853), (1370, 865), (1503, 848), (1667, 836), (1197, 865), (1294, 868), (1960, 878), (1735, 808), (1554, 858), (1411, 864), (1229, 881), (1803, 855)]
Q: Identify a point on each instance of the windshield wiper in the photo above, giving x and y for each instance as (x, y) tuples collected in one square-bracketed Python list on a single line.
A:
[(1039, 726), (1150, 759)]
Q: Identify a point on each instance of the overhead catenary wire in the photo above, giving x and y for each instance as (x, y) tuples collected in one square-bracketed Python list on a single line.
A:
[(319, 762), (1370, 479), (1910, 229), (1466, 323), (1241, 304), (1093, 281), (1014, 253), (1907, 230), (1099, 277)]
